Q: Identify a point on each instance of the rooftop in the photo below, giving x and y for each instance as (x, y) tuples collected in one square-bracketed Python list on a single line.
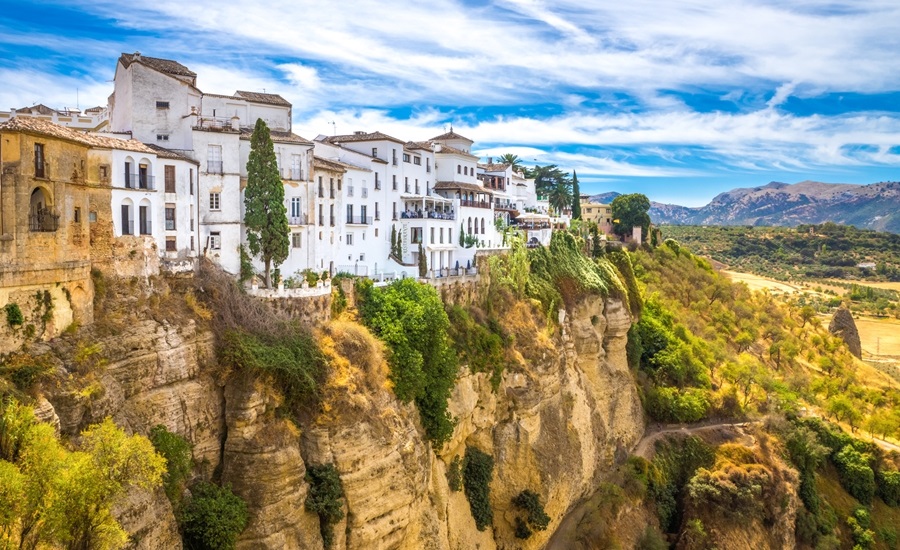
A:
[(362, 136), (47, 128), (494, 167), (259, 97), (469, 187), (166, 66), (339, 164), (164, 153), (277, 136), (450, 136)]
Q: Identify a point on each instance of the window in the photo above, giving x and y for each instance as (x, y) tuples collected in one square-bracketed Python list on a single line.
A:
[(214, 201), (331, 211), (321, 219), (349, 213), (350, 239), (296, 170), (129, 177), (332, 187), (295, 207), (296, 239), (395, 182), (162, 104), (432, 235), (415, 235), (394, 156), (104, 172), (192, 242), (395, 210), (170, 179), (375, 152), (459, 168), (442, 236), (144, 179), (170, 244), (405, 157), (144, 220), (39, 160), (362, 216), (127, 221), (192, 181), (215, 240), (214, 159), (428, 165), (92, 217), (162, 137), (170, 217), (76, 217), (377, 213), (321, 188), (417, 161)]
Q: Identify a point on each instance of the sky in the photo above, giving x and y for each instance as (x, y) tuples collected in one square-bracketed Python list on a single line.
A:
[(680, 100)]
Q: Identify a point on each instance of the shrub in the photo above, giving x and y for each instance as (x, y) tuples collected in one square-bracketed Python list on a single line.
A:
[(535, 517), (247, 271), (14, 317), (409, 318), (889, 487), (482, 347), (292, 359), (213, 518), (669, 404), (325, 498), (855, 474), (454, 474), (177, 452), (652, 539), (478, 469), (25, 370)]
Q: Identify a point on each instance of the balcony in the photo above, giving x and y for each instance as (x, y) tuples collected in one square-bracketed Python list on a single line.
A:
[(214, 167), (139, 181), (474, 204), (293, 174), (302, 219), (430, 214), (359, 220), (43, 220)]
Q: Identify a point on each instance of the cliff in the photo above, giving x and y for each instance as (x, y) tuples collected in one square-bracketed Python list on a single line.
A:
[(559, 420)]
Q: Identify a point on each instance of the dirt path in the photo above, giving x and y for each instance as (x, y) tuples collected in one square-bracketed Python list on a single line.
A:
[(645, 446)]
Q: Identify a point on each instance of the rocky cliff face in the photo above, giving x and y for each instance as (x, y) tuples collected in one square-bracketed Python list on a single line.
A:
[(555, 425)]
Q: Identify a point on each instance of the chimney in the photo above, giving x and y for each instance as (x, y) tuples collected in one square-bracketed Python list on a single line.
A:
[(359, 133), (137, 56), (235, 123)]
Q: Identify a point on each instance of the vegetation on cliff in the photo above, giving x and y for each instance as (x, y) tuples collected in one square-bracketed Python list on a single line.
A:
[(53, 495)]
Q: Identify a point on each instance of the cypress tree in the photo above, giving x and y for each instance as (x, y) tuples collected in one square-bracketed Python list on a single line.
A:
[(423, 262), (576, 197), (394, 241), (265, 215)]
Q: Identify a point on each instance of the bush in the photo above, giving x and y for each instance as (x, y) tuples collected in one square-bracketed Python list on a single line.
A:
[(409, 318), (478, 469), (454, 474), (292, 359), (25, 370), (177, 452), (325, 498), (889, 487), (855, 474), (668, 404), (535, 517), (213, 518), (482, 347), (652, 539), (14, 317)]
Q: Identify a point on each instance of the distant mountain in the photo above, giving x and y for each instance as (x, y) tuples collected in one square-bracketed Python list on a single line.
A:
[(875, 206)]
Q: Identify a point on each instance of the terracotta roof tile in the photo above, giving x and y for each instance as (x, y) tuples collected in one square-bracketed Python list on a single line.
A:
[(164, 153), (446, 149), (450, 135), (492, 167), (442, 185), (47, 128), (339, 164), (166, 66), (259, 97), (362, 136), (278, 136)]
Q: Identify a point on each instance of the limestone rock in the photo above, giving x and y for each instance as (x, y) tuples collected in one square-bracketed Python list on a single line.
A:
[(842, 325)]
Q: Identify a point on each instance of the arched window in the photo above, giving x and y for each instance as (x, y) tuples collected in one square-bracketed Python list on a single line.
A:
[(126, 220), (482, 226), (41, 214), (470, 226), (459, 168)]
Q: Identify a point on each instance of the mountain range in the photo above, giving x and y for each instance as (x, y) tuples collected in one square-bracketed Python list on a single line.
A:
[(874, 206)]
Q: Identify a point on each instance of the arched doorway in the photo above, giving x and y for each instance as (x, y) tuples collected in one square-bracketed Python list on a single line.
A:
[(41, 214)]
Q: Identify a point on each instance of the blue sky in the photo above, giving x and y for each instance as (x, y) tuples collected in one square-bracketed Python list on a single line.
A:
[(678, 100)]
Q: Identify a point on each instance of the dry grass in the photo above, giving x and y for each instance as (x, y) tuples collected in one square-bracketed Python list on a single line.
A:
[(756, 282), (879, 335)]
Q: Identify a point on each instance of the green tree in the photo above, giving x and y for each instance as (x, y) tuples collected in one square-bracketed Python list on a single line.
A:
[(325, 498), (423, 263), (807, 313), (394, 241), (108, 464), (177, 452), (265, 215), (512, 160), (630, 211), (560, 195), (576, 197), (213, 518)]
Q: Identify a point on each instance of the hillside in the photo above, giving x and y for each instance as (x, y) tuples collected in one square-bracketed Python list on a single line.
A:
[(874, 206)]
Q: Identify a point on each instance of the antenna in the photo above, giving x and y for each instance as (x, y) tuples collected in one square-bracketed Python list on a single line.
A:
[(77, 104), (334, 127)]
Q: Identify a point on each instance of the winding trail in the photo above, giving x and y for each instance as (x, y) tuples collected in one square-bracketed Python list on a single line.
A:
[(645, 446)]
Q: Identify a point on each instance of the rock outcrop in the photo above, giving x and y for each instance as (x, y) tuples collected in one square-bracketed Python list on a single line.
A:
[(556, 424), (842, 325)]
